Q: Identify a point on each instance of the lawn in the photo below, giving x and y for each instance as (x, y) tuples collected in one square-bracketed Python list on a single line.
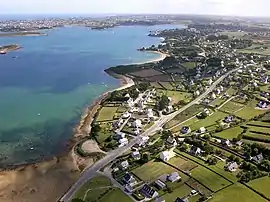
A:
[(177, 95), (208, 121), (232, 107), (182, 164), (189, 65), (231, 91), (94, 183), (229, 133), (209, 178), (191, 111), (105, 132), (236, 193), (249, 111), (181, 192), (115, 194), (217, 102), (189, 122), (261, 185), (106, 113), (153, 170)]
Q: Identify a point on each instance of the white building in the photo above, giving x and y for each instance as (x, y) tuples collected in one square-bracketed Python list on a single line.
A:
[(166, 155), (123, 142), (137, 123), (124, 165)]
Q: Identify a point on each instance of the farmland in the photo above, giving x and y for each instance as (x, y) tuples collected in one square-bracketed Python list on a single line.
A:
[(231, 107), (261, 185), (236, 193), (229, 133), (106, 113), (182, 164)]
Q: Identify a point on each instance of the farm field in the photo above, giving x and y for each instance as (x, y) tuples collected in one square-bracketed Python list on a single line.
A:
[(236, 193), (255, 49), (258, 129), (217, 102), (153, 170), (189, 65), (259, 123), (231, 91), (208, 121), (258, 137), (166, 85), (261, 185), (104, 133), (115, 194), (181, 192), (106, 114), (156, 85), (231, 107), (182, 164), (229, 133), (185, 123), (209, 178), (177, 95), (192, 111), (94, 183), (146, 73), (249, 111), (233, 34)]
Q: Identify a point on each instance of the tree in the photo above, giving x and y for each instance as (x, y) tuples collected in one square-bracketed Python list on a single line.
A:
[(146, 157), (184, 147), (232, 157), (163, 102), (237, 160), (265, 165)]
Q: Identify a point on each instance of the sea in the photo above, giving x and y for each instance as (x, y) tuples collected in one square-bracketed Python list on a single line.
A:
[(45, 85)]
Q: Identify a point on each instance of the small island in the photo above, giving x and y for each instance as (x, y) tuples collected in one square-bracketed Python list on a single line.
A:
[(8, 48)]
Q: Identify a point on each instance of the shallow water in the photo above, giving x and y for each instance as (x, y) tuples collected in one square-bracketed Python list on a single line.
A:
[(44, 89)]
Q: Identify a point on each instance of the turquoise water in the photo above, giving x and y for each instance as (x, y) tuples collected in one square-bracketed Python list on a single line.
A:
[(44, 89)]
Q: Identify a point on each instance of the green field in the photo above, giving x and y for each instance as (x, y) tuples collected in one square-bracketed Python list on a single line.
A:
[(236, 193), (259, 123), (232, 107), (249, 111), (177, 128), (209, 178), (258, 129), (217, 102), (115, 194), (191, 111), (181, 192), (189, 65), (255, 49), (208, 121), (177, 95), (153, 170), (106, 113), (234, 34), (182, 164), (231, 91), (261, 185), (229, 133), (92, 188), (105, 132), (258, 136), (156, 85), (166, 85)]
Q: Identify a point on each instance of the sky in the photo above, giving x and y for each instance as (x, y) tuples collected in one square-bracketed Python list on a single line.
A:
[(220, 7)]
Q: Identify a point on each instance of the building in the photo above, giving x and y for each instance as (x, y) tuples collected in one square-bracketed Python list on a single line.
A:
[(232, 166), (262, 105), (181, 200), (129, 179), (137, 123), (257, 159), (126, 115), (159, 184), (227, 143), (124, 165), (185, 130), (119, 135), (136, 155), (160, 199), (143, 140), (148, 191), (123, 142), (168, 109), (202, 130), (213, 96), (195, 150), (171, 141), (228, 119), (173, 177), (165, 155)]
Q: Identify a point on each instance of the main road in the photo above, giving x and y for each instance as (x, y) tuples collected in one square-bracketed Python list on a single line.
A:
[(91, 171)]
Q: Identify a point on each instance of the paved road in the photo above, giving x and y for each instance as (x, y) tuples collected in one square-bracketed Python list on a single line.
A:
[(91, 172)]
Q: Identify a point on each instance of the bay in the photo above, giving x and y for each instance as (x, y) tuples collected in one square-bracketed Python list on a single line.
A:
[(45, 85)]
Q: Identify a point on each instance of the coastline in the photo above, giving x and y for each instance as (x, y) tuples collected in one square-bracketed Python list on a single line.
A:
[(65, 167), (160, 58)]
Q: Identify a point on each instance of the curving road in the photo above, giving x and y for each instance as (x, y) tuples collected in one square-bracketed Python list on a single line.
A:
[(91, 171)]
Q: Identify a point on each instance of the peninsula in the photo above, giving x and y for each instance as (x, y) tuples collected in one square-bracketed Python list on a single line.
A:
[(8, 48)]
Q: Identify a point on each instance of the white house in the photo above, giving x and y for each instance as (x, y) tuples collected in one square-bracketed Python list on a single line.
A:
[(213, 96), (232, 166), (124, 165), (137, 123), (173, 177), (122, 142), (126, 115), (202, 130), (136, 155), (166, 155)]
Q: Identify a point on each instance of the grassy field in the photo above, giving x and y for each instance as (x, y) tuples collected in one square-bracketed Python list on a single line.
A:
[(189, 65), (208, 121), (94, 183), (261, 185), (249, 111), (182, 164), (258, 129), (167, 85), (258, 136), (265, 88), (259, 123), (177, 96), (231, 107), (156, 85), (236, 193), (186, 123), (229, 133), (209, 178), (181, 192), (192, 111), (231, 91), (217, 102), (115, 194), (256, 49), (234, 34), (105, 132), (106, 113), (153, 170)]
